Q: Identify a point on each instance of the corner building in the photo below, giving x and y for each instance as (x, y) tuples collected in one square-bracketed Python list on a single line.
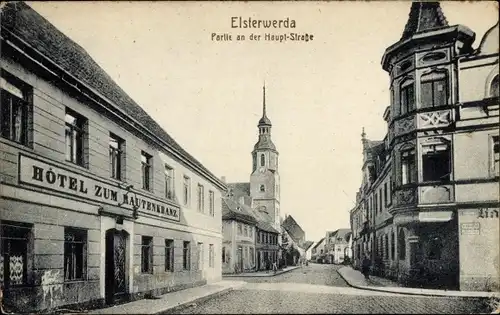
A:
[(427, 209), (98, 203)]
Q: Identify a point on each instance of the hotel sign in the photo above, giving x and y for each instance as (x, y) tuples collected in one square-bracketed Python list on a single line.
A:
[(34, 172)]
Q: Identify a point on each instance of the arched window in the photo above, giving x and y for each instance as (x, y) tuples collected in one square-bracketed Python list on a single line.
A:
[(401, 245), (494, 87), (407, 96), (434, 89), (262, 160), (262, 188)]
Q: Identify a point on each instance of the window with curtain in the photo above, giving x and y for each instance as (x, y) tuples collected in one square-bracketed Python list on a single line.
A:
[(14, 110), (408, 166)]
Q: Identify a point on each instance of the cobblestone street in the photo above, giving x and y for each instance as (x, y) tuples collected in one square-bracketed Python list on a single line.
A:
[(319, 289)]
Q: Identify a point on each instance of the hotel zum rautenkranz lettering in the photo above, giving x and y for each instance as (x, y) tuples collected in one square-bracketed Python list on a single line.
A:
[(427, 212), (99, 204)]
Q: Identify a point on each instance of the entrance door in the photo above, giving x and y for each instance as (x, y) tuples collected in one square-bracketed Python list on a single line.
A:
[(116, 288), (259, 265)]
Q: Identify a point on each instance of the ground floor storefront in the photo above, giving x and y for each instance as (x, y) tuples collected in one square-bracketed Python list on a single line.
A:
[(56, 251), (450, 249), (238, 258)]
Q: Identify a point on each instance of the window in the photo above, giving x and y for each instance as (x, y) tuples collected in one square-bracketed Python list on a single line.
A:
[(375, 203), (262, 188), (401, 245), (262, 160), (186, 255), (211, 256), (146, 161), (115, 156), (187, 190), (211, 200), (250, 231), (169, 255), (75, 254), (434, 90), (75, 125), (14, 110), (201, 198), (169, 182), (380, 192), (393, 247), (386, 246), (252, 256), (435, 162), (386, 199), (223, 254), (494, 87), (407, 167), (240, 229), (245, 230), (16, 243), (389, 194), (147, 254), (434, 250), (407, 103), (495, 154), (200, 256)]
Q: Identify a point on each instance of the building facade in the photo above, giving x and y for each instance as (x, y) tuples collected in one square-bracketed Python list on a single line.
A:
[(427, 209), (318, 251), (98, 203), (239, 231), (336, 244)]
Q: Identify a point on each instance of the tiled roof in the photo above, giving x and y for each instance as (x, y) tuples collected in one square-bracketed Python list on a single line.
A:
[(341, 233), (232, 210), (307, 244), (25, 23), (239, 189), (318, 243), (293, 228), (424, 16)]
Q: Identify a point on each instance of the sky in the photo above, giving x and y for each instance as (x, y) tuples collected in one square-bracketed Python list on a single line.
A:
[(208, 94)]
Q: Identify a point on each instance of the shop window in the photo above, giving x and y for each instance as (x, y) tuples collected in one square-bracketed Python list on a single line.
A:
[(494, 87), (147, 254), (435, 162), (211, 256), (401, 245), (15, 109), (434, 90), (434, 248), (407, 94), (169, 255), (169, 182), (146, 162), (186, 255), (407, 167), (75, 137), (16, 243), (116, 147), (75, 254)]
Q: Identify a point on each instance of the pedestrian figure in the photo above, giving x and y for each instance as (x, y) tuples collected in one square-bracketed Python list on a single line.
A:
[(365, 269), (275, 267)]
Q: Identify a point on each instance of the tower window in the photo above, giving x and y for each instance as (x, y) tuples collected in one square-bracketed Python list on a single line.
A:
[(262, 188), (262, 160)]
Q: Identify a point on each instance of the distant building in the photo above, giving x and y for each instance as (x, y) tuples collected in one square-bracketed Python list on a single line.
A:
[(294, 237), (427, 209), (98, 203), (335, 245), (308, 245), (318, 251)]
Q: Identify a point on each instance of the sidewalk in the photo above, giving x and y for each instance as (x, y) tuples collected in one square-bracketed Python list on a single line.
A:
[(260, 273), (356, 279), (172, 301)]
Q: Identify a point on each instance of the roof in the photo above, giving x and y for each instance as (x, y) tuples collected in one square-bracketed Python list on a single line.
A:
[(307, 244), (293, 229), (318, 243), (341, 233), (25, 23), (263, 221), (233, 210), (424, 16), (264, 142), (489, 42)]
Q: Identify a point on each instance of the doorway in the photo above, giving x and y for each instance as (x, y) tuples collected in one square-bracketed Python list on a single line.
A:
[(116, 271)]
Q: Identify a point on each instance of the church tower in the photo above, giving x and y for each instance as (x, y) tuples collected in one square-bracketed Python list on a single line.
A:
[(265, 180)]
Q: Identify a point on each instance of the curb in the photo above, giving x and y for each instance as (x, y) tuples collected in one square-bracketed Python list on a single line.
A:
[(249, 275), (176, 308), (381, 289)]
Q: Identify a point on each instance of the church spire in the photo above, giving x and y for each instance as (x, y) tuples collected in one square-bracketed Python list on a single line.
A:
[(264, 121)]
